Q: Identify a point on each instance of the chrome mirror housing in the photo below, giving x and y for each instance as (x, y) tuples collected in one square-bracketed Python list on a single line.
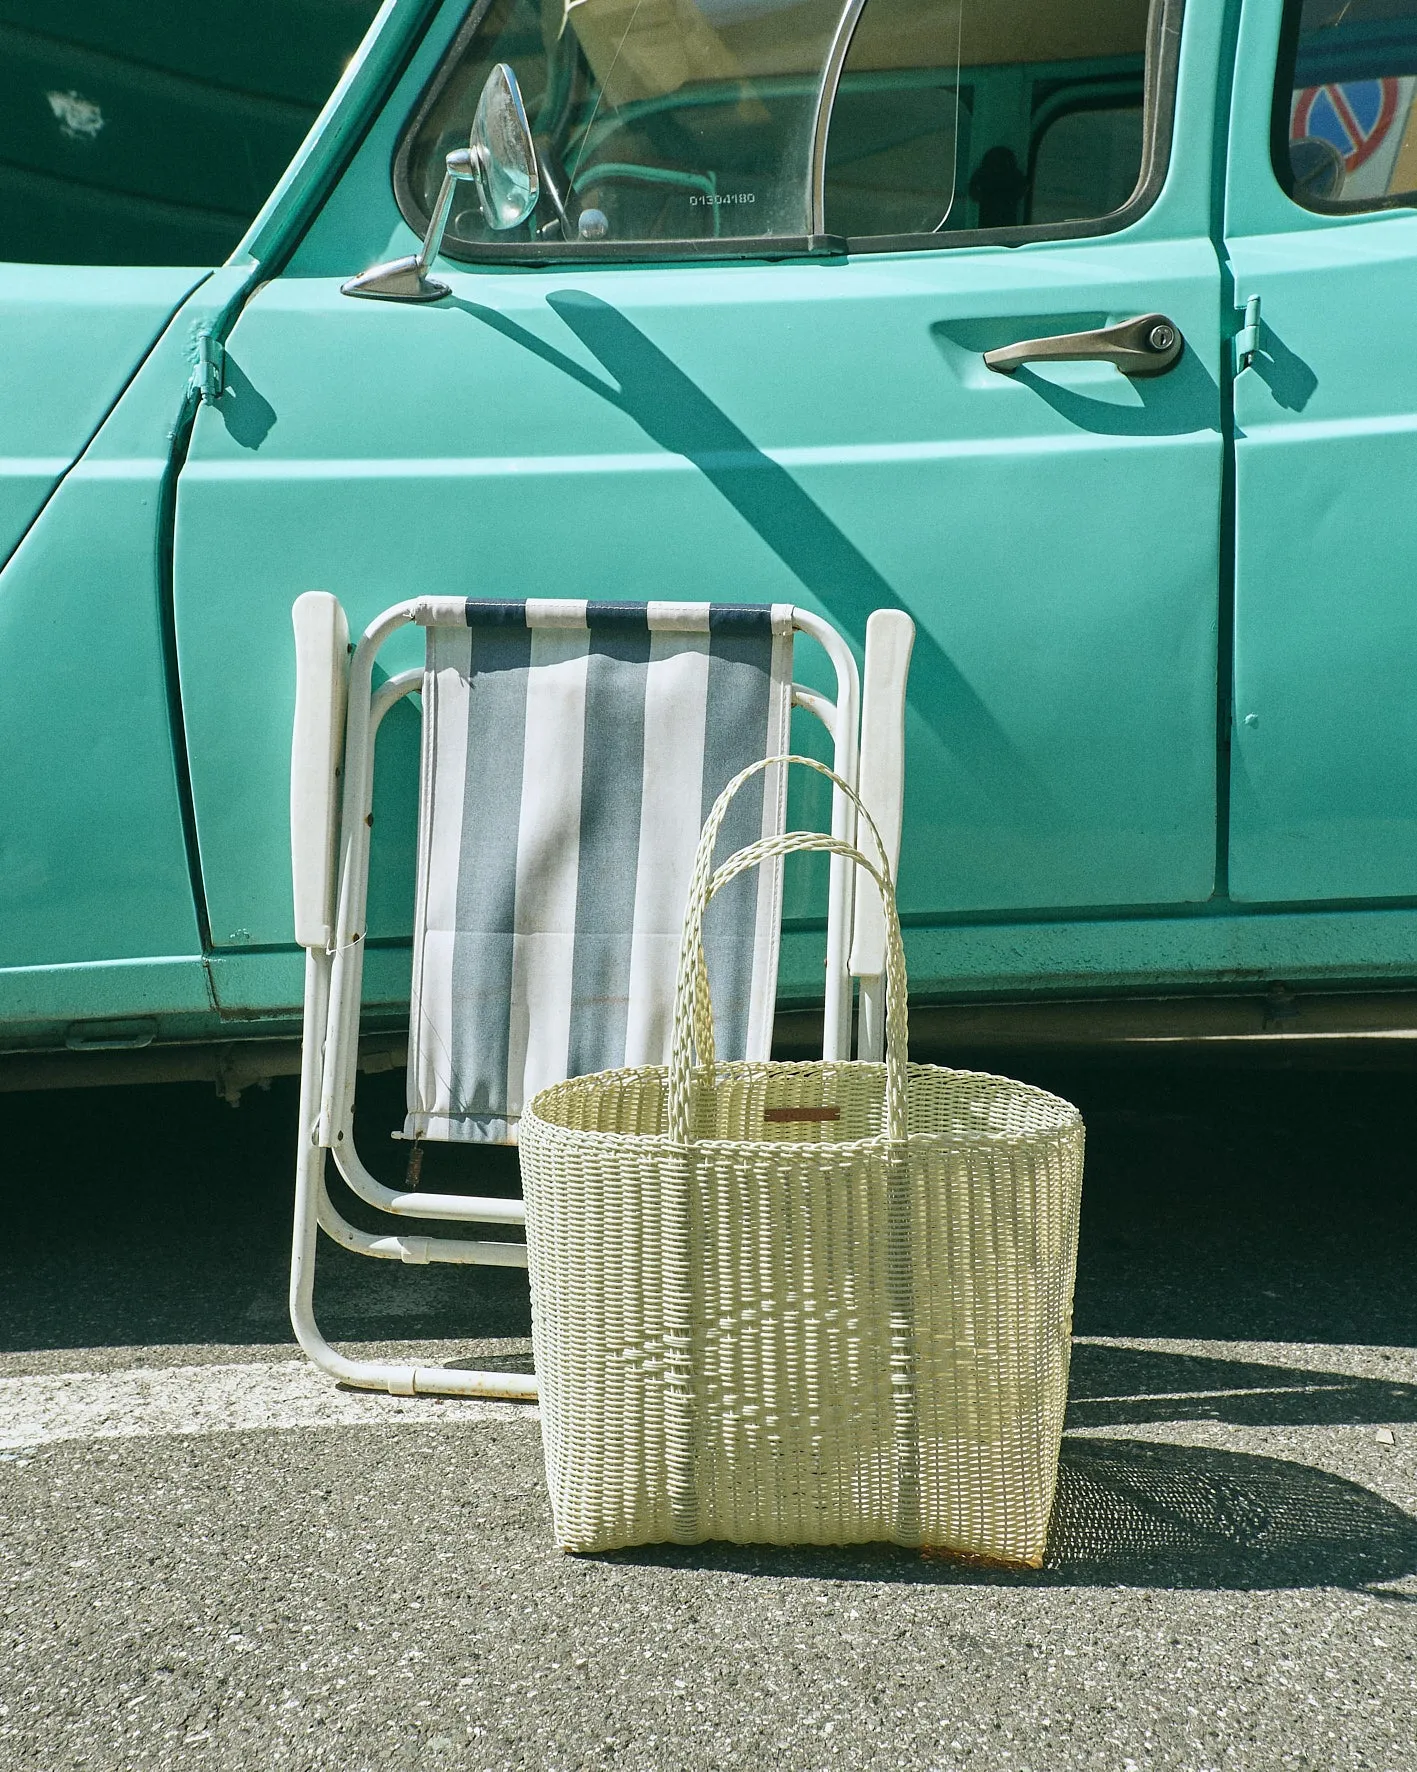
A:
[(500, 160), (500, 148)]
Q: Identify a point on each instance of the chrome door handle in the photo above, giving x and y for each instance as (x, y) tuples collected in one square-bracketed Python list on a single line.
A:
[(1149, 346)]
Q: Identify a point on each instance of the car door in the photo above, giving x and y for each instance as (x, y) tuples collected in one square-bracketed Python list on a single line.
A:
[(701, 371), (1322, 236)]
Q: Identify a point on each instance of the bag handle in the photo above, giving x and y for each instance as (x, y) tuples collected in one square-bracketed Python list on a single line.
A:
[(703, 867), (693, 1011)]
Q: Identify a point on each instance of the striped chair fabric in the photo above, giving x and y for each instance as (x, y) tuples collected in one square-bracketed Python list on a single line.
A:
[(571, 751)]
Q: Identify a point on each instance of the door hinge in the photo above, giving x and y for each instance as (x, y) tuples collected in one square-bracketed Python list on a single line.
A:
[(1247, 339), (208, 376)]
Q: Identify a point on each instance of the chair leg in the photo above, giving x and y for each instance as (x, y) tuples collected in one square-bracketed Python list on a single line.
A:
[(311, 1205), (871, 1019), (414, 1251)]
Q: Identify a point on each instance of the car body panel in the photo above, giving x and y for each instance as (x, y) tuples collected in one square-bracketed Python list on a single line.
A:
[(1324, 785), (93, 850), (71, 338), (101, 916), (821, 432)]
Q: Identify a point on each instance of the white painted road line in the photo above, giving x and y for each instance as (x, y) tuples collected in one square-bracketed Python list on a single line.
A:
[(216, 1399), (141, 1401)]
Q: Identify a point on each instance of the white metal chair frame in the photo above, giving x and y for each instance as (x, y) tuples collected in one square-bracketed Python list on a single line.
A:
[(338, 713)]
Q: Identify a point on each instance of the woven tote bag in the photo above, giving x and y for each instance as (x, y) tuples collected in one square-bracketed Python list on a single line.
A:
[(821, 1303)]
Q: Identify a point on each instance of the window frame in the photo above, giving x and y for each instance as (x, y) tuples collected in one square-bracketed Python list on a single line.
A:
[(1159, 84)]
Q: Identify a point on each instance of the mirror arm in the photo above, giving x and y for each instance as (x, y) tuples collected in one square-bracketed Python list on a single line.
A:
[(460, 165), (407, 279)]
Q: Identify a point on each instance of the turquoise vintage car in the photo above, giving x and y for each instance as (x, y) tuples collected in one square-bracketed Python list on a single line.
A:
[(1163, 712)]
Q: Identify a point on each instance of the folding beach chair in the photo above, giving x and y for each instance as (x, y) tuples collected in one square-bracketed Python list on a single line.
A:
[(570, 753)]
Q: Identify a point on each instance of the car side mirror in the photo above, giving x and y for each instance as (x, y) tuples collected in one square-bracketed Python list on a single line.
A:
[(501, 152), (500, 161)]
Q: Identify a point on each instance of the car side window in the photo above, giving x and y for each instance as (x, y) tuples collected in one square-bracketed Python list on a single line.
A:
[(684, 121), (984, 116), (1345, 123), (152, 134), (670, 128)]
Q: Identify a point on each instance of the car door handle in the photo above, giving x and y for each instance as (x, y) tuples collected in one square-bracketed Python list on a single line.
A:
[(1149, 346)]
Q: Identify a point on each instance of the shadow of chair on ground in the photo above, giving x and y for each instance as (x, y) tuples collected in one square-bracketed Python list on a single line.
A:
[(1111, 1385)]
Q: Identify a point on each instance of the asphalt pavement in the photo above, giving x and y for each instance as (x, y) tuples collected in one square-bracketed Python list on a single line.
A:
[(211, 1558)]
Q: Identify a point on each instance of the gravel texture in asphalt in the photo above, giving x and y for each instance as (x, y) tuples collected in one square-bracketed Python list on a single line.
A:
[(210, 1558)]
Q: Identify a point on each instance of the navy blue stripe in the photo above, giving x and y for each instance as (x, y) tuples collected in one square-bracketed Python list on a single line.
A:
[(491, 612), (745, 619), (617, 617), (487, 868), (611, 792), (739, 699)]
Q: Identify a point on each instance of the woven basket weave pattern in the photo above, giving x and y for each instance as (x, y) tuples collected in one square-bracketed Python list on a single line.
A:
[(802, 1331)]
